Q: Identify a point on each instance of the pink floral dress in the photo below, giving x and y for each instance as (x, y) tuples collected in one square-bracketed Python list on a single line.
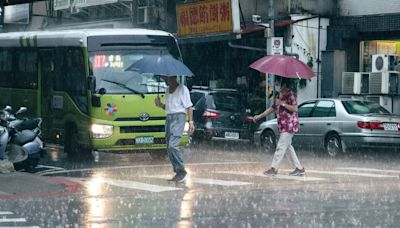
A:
[(287, 121)]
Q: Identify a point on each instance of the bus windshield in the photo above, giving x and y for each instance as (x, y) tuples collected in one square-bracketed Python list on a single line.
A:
[(115, 76)]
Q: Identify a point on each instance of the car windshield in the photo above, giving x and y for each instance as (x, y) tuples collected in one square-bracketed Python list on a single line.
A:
[(113, 73), (364, 107), (226, 102)]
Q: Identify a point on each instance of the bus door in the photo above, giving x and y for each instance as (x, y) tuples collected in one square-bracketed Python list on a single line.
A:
[(48, 73)]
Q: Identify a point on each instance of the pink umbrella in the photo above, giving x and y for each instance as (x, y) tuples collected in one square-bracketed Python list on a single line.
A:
[(283, 65)]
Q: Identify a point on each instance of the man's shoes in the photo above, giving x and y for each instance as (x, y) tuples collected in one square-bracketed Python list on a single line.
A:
[(271, 172), (298, 172), (173, 178), (180, 177)]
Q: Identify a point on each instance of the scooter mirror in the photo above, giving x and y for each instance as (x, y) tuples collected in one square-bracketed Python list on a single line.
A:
[(21, 110), (8, 108)]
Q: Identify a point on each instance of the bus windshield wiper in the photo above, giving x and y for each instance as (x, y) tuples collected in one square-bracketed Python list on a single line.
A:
[(124, 86)]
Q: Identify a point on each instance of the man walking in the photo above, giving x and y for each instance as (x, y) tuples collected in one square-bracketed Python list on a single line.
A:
[(177, 104), (285, 107)]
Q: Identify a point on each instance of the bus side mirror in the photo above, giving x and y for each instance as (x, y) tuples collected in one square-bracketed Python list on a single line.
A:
[(96, 101), (92, 83)]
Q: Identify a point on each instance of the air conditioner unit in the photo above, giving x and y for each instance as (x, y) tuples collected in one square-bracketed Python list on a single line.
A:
[(383, 62), (143, 13), (384, 101), (384, 82), (373, 99), (355, 82)]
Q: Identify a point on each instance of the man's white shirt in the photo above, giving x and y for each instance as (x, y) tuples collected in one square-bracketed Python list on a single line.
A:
[(178, 101)]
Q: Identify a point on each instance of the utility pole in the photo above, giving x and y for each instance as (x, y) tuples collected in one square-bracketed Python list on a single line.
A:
[(269, 78), (271, 16)]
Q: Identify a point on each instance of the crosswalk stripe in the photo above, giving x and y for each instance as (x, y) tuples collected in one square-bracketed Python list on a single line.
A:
[(207, 181), (218, 182), (145, 166), (350, 173), (140, 186), (12, 220), (6, 213), (128, 184), (286, 177), (4, 193), (19, 226), (369, 169)]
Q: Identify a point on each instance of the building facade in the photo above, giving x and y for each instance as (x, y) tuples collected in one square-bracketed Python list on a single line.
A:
[(340, 33), (366, 39)]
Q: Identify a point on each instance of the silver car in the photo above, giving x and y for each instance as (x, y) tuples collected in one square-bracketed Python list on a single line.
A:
[(337, 125)]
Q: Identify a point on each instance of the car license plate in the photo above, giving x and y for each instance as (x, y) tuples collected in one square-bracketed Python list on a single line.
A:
[(390, 126), (144, 140), (231, 135)]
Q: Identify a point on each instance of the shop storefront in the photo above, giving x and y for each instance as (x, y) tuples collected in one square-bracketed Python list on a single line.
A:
[(372, 47)]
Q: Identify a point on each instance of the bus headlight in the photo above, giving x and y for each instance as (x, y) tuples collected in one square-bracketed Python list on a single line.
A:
[(101, 131), (186, 129)]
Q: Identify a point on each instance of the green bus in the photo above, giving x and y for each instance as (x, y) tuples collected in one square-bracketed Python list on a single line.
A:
[(79, 83)]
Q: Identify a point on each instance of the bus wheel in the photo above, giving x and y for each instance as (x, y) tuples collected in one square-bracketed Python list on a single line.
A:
[(72, 146), (158, 155)]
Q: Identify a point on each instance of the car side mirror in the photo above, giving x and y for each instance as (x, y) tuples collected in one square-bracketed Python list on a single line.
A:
[(189, 83)]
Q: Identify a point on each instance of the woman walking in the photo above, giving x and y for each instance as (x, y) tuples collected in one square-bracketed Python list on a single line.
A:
[(285, 107)]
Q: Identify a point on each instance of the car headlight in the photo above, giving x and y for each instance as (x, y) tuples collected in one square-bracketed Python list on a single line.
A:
[(186, 129), (101, 131)]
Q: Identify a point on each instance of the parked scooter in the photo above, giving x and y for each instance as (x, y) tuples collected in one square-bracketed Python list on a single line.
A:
[(20, 140)]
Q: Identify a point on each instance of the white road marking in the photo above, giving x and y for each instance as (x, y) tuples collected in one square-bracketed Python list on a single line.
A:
[(206, 181), (12, 220), (286, 177), (145, 166), (4, 193), (351, 174), (127, 184), (369, 169), (4, 219), (48, 166), (140, 186), (6, 213), (19, 226), (48, 170)]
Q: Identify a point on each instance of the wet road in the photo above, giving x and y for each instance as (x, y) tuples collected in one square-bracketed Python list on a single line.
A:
[(225, 188)]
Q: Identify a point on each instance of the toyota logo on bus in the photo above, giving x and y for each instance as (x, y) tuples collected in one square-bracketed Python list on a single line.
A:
[(144, 116)]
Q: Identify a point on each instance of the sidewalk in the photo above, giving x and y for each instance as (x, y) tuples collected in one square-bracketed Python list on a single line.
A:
[(26, 185)]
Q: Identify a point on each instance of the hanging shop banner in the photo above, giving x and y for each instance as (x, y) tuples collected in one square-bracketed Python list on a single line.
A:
[(208, 17)]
